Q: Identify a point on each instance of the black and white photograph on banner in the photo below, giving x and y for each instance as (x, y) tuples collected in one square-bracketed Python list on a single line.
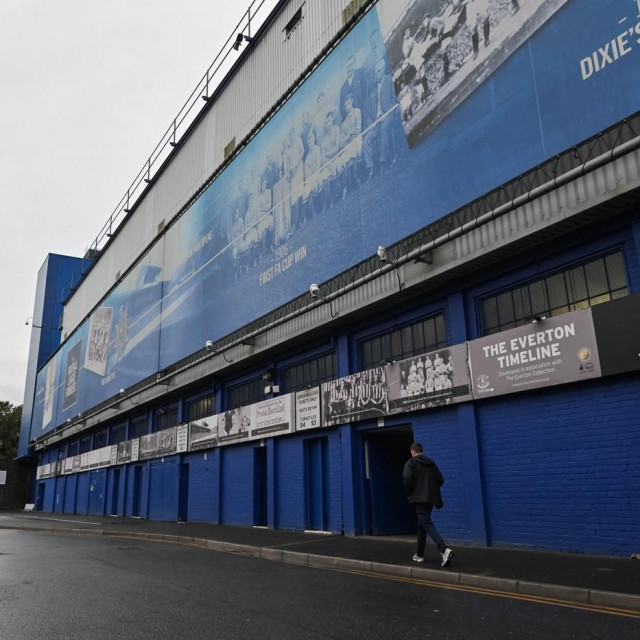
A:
[(441, 50), (272, 417), (148, 446), (430, 380), (95, 358), (71, 376), (124, 451), (360, 396), (234, 425), (204, 433), (167, 441)]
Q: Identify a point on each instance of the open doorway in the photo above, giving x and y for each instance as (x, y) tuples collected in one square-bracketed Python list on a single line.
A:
[(385, 453)]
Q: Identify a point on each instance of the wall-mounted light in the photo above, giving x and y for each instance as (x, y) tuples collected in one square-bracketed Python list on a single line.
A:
[(538, 318)]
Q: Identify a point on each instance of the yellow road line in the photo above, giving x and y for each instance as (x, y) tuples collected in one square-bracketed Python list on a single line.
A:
[(556, 602)]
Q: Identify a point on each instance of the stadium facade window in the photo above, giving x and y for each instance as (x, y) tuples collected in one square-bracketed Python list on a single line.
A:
[(400, 343), (100, 439), (118, 434), (245, 394), (579, 287), (139, 427), (200, 408), (73, 449), (309, 373), (85, 444), (166, 417)]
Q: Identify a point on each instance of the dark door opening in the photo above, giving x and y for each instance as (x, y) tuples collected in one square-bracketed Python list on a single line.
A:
[(183, 493), (260, 487), (137, 490), (385, 453), (316, 484), (115, 489), (40, 496)]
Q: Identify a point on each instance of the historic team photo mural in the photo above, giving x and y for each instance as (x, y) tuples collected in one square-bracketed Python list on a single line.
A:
[(424, 106)]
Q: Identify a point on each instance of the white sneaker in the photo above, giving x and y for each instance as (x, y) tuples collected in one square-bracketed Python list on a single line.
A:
[(446, 557), (417, 558)]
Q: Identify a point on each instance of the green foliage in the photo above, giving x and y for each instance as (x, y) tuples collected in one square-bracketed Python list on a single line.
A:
[(9, 429)]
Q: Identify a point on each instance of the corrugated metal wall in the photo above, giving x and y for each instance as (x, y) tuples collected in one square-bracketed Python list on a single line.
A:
[(271, 67)]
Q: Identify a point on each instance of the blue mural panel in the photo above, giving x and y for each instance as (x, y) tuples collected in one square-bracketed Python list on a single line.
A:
[(424, 106)]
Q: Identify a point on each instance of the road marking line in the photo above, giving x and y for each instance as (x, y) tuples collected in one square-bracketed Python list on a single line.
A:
[(95, 524), (492, 592)]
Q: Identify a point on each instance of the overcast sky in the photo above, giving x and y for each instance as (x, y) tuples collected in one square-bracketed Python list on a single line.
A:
[(87, 89)]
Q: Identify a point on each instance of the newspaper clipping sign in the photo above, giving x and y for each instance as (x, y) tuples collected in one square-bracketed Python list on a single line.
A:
[(272, 417), (182, 438), (308, 409), (548, 352)]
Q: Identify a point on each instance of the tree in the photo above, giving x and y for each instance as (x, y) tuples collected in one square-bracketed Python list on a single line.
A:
[(9, 429)]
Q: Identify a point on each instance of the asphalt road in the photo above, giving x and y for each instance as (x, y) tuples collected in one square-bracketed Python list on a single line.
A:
[(77, 587)]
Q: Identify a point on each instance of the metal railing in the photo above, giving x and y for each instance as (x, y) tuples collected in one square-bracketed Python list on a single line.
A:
[(251, 20)]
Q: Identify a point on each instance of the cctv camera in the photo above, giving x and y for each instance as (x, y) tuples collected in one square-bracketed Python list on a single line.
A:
[(382, 254), (314, 290), (208, 345), (122, 392)]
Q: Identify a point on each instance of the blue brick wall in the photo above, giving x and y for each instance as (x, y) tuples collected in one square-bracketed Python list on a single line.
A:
[(437, 431), (561, 469)]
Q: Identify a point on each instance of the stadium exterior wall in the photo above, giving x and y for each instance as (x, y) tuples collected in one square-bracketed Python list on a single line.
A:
[(550, 465)]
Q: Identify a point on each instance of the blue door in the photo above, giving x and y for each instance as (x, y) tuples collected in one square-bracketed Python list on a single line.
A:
[(316, 484), (58, 501), (82, 494), (97, 492), (163, 490), (70, 493)]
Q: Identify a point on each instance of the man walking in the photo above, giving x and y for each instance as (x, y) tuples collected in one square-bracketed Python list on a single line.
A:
[(422, 482)]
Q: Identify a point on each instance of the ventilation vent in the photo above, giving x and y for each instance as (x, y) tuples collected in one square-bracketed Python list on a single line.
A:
[(161, 226), (228, 150), (293, 23)]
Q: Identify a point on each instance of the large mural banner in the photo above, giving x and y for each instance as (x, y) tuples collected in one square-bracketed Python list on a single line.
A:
[(423, 107)]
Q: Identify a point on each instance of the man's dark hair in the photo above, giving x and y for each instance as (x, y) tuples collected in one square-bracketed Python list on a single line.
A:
[(417, 447)]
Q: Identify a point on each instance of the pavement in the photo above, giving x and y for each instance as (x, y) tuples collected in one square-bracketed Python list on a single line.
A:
[(600, 581)]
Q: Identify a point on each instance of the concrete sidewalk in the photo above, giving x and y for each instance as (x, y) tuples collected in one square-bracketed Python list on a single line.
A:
[(596, 580)]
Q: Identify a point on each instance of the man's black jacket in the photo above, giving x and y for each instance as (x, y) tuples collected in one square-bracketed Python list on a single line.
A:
[(422, 480)]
